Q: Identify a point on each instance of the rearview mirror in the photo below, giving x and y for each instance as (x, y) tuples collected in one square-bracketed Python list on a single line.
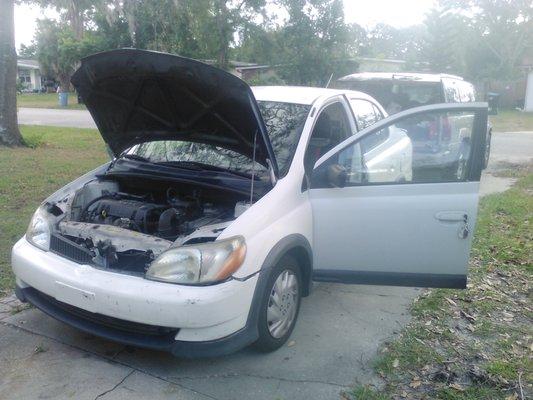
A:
[(336, 175)]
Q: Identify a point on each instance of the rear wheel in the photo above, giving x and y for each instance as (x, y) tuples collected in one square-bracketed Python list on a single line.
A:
[(280, 305)]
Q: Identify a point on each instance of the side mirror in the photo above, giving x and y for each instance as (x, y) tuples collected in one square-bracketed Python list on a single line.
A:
[(336, 175)]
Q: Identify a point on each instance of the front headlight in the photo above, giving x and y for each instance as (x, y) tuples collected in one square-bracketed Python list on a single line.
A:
[(199, 264), (38, 232)]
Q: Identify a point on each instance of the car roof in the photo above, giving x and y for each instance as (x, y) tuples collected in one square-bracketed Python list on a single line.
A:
[(400, 76), (300, 94)]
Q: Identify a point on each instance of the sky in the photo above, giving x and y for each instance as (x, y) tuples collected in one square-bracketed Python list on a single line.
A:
[(367, 13)]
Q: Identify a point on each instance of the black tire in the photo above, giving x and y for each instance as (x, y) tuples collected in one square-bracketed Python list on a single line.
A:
[(266, 342)]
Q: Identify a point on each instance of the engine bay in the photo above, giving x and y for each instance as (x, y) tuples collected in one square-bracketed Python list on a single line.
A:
[(124, 224)]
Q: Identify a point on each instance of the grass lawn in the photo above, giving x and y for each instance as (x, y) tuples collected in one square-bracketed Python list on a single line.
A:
[(512, 121), (29, 175), (473, 344), (47, 100)]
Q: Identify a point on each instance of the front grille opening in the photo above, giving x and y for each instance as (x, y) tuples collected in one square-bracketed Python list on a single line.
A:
[(71, 250), (134, 262)]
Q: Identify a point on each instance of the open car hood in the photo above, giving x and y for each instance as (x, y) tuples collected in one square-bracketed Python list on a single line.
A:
[(137, 96)]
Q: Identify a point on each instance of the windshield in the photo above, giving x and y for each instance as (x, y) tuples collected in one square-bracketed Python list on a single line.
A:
[(284, 122), (396, 96)]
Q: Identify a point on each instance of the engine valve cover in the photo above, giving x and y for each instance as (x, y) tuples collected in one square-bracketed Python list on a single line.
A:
[(140, 216)]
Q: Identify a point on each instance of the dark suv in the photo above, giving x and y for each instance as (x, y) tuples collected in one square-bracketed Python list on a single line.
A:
[(400, 91)]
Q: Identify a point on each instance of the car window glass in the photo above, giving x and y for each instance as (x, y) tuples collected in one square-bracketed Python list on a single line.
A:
[(377, 112), (284, 123), (396, 95), (466, 92), (175, 151), (364, 113), (331, 128), (452, 92), (427, 148)]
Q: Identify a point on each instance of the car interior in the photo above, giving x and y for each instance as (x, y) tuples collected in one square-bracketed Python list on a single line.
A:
[(331, 128)]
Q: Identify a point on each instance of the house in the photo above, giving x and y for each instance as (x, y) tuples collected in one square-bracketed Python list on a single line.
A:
[(29, 74), (365, 64), (527, 68)]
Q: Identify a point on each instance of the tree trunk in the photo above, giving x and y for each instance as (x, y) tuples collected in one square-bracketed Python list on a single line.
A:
[(9, 131), (223, 33), (64, 83), (75, 17)]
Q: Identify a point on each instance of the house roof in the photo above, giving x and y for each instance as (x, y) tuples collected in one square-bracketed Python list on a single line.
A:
[(27, 63)]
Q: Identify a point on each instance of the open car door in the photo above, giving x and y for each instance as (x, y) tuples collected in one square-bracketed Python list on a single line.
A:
[(396, 203)]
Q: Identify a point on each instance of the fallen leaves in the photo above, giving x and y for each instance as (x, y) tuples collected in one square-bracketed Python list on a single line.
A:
[(469, 317), (415, 383), (457, 387), (453, 303)]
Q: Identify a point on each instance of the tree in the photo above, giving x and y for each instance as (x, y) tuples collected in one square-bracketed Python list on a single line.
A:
[(73, 12), (59, 51), (9, 131), (316, 43), (501, 33), (28, 51), (449, 38), (385, 41)]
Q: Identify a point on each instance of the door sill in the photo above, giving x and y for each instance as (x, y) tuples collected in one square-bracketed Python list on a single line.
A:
[(390, 278)]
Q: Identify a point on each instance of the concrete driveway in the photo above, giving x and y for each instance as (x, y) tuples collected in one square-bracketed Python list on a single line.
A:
[(339, 330)]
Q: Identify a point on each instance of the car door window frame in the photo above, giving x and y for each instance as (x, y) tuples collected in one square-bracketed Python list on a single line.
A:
[(478, 138), (347, 110), (353, 111)]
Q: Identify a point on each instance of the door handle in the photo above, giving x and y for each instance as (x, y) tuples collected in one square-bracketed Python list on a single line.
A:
[(452, 216), (456, 216)]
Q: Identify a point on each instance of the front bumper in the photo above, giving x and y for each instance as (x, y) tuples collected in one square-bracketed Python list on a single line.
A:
[(207, 320)]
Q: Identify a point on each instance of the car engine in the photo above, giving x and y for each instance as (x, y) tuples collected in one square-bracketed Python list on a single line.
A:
[(124, 225), (167, 215)]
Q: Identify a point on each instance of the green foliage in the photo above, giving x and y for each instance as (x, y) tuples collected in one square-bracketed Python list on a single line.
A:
[(59, 50), (265, 80), (21, 86), (488, 37), (46, 100), (478, 39), (471, 393), (366, 393), (315, 42), (27, 51), (32, 174), (34, 140)]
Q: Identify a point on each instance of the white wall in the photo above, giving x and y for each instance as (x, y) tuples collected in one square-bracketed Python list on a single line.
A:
[(528, 106), (35, 77)]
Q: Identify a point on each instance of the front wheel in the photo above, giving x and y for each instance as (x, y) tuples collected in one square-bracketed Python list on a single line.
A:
[(280, 305)]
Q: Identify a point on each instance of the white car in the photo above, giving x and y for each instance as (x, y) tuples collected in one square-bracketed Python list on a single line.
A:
[(223, 204)]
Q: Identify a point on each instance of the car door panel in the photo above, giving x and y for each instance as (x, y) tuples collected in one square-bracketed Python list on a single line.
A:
[(408, 232), (372, 237)]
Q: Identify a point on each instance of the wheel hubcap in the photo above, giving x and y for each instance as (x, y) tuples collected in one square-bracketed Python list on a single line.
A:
[(282, 304)]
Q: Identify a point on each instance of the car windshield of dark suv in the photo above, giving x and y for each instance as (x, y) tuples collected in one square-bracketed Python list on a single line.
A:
[(284, 122), (396, 96)]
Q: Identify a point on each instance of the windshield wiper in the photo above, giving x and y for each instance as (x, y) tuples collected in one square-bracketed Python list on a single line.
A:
[(198, 166), (136, 158)]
